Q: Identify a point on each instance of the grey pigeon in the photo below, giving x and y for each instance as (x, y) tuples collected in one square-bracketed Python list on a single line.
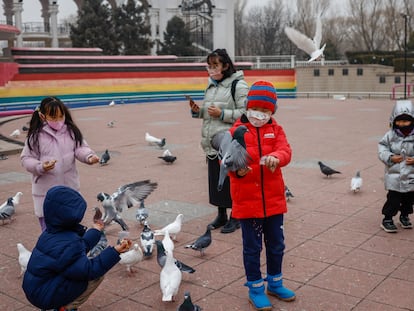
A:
[(202, 242), (125, 197), (187, 304), (142, 213), (160, 142), (170, 279), (105, 157), (24, 256), (169, 159), (147, 239), (356, 182), (231, 152), (326, 170), (288, 193), (99, 247), (111, 123), (8, 208), (161, 257)]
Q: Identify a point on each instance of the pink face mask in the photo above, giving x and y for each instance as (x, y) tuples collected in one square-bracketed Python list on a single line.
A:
[(215, 74), (56, 125)]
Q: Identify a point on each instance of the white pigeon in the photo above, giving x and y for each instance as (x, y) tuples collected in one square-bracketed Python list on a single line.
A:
[(111, 123), (24, 256), (15, 133), (131, 257), (170, 278), (173, 228), (147, 239), (167, 242), (125, 197), (356, 182), (112, 103), (160, 142), (166, 153), (8, 208), (310, 46)]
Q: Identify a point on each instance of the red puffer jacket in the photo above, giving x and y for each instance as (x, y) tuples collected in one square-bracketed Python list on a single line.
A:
[(261, 193)]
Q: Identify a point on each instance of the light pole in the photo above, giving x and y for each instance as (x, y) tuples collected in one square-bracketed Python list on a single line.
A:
[(405, 16)]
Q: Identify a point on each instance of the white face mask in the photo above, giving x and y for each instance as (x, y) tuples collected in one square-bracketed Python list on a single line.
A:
[(257, 118), (215, 74)]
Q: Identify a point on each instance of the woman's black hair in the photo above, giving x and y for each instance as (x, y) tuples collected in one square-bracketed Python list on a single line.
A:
[(224, 58), (51, 106)]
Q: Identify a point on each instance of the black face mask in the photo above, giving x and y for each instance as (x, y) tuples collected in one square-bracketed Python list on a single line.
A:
[(405, 130)]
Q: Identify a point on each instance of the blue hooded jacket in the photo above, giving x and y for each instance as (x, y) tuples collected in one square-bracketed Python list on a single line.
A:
[(59, 270)]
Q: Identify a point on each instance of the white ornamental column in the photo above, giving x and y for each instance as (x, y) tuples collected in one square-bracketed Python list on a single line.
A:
[(154, 21), (53, 12), (17, 11)]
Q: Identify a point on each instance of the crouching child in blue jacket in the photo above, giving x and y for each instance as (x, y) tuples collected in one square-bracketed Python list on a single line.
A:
[(59, 274)]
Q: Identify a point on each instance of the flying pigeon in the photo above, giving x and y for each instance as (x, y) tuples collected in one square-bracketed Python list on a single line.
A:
[(326, 170), (8, 208), (288, 193), (356, 182), (160, 142), (131, 257), (170, 278), (310, 46), (161, 257), (111, 123), (147, 239), (173, 228), (202, 242), (167, 242), (105, 157), (231, 152), (24, 256), (125, 197), (142, 213), (187, 304), (99, 247), (15, 134)]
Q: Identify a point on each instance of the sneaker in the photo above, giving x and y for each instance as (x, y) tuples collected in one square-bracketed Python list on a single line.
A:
[(388, 226), (230, 226), (405, 222)]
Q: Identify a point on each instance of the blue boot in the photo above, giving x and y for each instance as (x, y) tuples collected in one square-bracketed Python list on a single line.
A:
[(257, 296), (275, 288)]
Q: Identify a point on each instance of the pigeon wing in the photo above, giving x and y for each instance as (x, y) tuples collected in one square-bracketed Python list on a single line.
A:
[(300, 40), (238, 157), (220, 139), (131, 194)]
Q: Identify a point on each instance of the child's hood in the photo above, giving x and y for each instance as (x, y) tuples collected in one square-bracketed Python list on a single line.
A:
[(63, 208), (402, 107)]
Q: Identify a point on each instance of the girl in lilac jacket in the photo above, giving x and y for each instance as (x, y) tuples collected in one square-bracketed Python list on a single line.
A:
[(52, 145)]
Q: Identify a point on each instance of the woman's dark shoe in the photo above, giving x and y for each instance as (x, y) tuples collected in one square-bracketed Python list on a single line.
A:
[(231, 226)]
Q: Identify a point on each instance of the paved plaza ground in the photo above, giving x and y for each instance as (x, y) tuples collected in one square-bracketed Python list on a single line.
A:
[(337, 258)]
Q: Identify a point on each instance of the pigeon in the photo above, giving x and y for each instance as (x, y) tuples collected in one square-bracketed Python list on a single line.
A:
[(173, 228), (170, 278), (131, 257), (142, 213), (356, 182), (111, 123), (8, 208), (125, 197), (99, 247), (160, 142), (202, 242), (112, 103), (147, 240), (231, 152), (161, 257), (169, 159), (167, 242), (288, 193), (15, 134), (187, 304), (326, 170), (24, 256), (25, 128), (310, 46), (105, 157), (3, 157)]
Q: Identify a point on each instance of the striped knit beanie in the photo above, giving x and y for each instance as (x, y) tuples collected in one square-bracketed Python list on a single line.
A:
[(262, 94)]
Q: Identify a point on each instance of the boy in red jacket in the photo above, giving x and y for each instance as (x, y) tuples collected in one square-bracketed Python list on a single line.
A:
[(258, 195)]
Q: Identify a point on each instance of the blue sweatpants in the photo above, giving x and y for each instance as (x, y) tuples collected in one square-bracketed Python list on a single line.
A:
[(254, 230)]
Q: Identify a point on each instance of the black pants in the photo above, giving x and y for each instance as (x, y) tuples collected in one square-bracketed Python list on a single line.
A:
[(398, 201), (218, 198)]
